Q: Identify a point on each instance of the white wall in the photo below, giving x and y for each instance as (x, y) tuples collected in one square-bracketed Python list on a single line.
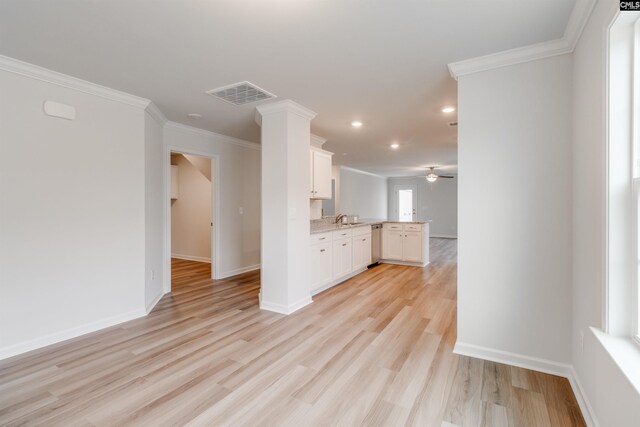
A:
[(614, 400), (437, 201), (72, 214), (362, 194), (191, 212), (153, 208), (514, 183), (238, 187)]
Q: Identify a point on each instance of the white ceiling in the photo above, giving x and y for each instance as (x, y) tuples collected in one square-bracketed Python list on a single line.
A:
[(380, 61)]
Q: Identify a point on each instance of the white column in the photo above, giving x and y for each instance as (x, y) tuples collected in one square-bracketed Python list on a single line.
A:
[(285, 264)]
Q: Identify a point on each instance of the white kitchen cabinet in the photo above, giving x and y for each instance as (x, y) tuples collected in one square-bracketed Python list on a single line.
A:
[(321, 264), (412, 246), (361, 251), (342, 258), (320, 174), (392, 244), (405, 243)]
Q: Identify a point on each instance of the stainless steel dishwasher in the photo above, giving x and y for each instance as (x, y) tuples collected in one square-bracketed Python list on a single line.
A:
[(376, 243)]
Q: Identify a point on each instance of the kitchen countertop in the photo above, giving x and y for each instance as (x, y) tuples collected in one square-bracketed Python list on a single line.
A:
[(363, 222)]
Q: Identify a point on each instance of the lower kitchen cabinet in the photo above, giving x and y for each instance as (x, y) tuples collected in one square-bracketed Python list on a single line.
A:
[(342, 257), (338, 255), (405, 243), (321, 264), (361, 251)]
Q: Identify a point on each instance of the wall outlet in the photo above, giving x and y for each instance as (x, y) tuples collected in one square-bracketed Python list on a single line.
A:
[(581, 341)]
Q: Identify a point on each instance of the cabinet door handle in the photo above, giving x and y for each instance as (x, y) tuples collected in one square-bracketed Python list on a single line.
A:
[(364, 240), (344, 244), (322, 250), (322, 238)]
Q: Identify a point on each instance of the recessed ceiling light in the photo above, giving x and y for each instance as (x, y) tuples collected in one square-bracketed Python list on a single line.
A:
[(356, 123), (194, 116), (394, 145), (448, 110)]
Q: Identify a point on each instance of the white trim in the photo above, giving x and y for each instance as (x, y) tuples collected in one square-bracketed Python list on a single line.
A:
[(317, 141), (445, 236), (407, 263), (566, 44), (588, 413), (535, 364), (191, 258), (237, 271), (337, 281), (39, 73), (362, 172), (156, 114), (224, 138), (282, 309), (280, 106), (155, 301), (34, 344)]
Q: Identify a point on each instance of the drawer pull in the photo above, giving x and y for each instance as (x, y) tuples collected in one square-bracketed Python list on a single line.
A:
[(322, 250), (364, 240), (322, 238), (344, 244)]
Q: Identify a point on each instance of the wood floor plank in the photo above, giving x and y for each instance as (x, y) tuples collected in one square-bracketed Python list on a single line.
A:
[(376, 350)]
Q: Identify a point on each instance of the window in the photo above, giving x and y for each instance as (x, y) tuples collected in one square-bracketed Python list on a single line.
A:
[(622, 292)]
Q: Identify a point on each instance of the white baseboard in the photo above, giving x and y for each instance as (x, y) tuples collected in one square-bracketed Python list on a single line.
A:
[(191, 258), (56, 337), (588, 413), (237, 271), (534, 364), (408, 264), (444, 236), (155, 301), (282, 309), (337, 282)]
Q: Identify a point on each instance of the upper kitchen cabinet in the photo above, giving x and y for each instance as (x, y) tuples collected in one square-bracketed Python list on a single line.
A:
[(320, 174)]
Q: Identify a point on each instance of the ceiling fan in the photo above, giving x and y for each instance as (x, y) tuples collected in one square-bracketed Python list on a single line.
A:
[(432, 176)]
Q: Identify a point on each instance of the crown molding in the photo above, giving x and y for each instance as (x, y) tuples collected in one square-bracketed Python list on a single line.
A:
[(362, 172), (280, 106), (156, 114), (218, 136), (317, 141), (566, 44), (39, 73)]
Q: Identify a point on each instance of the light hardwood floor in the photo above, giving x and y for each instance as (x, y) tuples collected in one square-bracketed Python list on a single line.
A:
[(376, 350)]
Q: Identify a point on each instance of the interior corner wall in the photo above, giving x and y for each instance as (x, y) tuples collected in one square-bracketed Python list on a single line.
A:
[(612, 397), (514, 187), (239, 187), (153, 209), (72, 214), (362, 194), (437, 202)]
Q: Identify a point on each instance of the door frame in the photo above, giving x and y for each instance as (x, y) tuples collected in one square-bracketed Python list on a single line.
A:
[(396, 189), (215, 209)]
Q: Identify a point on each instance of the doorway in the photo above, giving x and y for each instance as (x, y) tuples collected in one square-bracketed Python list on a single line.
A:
[(191, 217), (405, 202)]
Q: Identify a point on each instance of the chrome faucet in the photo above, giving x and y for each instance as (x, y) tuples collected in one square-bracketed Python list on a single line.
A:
[(339, 218)]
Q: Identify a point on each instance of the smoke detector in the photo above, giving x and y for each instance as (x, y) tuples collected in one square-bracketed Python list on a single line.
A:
[(240, 93)]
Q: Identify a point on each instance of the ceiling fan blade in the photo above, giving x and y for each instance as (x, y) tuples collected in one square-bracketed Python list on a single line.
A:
[(445, 176)]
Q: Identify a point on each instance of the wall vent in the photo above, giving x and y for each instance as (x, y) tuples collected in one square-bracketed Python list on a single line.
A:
[(240, 93)]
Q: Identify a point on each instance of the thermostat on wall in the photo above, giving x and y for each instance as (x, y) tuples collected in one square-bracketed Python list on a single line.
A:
[(63, 111)]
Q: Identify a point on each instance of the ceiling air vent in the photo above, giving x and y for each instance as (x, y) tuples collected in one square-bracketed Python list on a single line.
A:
[(241, 93), (453, 123)]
